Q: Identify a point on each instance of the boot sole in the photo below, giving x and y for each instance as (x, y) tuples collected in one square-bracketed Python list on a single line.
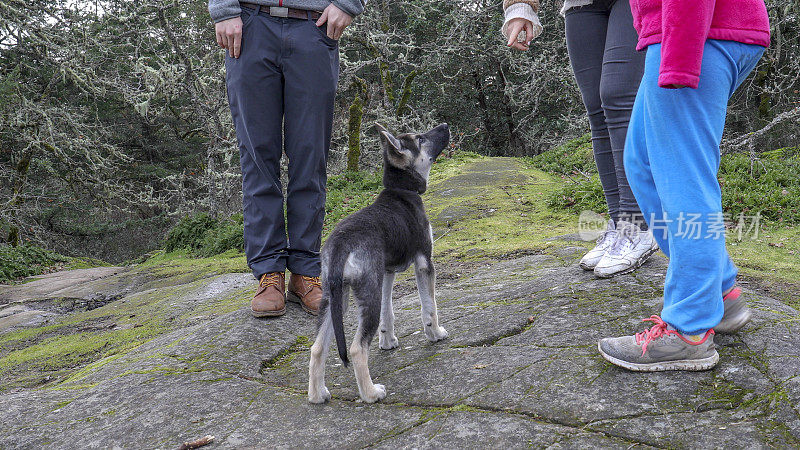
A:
[(276, 313), (639, 263), (738, 324), (694, 365), (294, 298)]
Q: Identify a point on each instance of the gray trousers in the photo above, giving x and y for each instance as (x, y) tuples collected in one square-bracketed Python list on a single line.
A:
[(601, 42), (281, 92)]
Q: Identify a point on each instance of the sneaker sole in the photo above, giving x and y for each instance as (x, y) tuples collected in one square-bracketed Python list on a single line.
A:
[(737, 324), (630, 269), (694, 365), (294, 298)]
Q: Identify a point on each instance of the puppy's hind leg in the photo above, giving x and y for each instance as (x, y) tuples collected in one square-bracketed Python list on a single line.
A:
[(368, 298), (426, 284), (387, 340), (317, 392)]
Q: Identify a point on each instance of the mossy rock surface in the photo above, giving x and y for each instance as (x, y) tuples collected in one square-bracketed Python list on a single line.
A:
[(178, 355)]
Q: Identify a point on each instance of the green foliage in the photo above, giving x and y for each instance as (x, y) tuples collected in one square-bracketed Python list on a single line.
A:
[(226, 235), (347, 193), (574, 162), (769, 185), (577, 196), (25, 260), (204, 235), (188, 233), (572, 157)]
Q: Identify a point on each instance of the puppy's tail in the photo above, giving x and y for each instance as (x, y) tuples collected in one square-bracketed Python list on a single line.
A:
[(335, 288)]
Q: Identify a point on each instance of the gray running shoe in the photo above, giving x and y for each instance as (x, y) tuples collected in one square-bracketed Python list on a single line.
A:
[(660, 348), (604, 242), (737, 314), (632, 248)]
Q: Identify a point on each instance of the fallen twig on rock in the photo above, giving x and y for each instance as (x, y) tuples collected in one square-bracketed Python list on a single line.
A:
[(205, 440)]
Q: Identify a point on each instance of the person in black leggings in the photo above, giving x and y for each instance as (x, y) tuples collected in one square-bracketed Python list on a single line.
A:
[(601, 42)]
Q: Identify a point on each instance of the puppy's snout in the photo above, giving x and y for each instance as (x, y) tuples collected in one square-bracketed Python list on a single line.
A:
[(443, 132)]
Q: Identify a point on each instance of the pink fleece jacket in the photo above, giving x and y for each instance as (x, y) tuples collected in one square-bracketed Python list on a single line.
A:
[(682, 27)]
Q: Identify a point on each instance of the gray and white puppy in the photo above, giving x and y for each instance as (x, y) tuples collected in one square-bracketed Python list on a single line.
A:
[(365, 251)]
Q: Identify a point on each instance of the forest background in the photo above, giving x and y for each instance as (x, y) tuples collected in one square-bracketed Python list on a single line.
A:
[(114, 122)]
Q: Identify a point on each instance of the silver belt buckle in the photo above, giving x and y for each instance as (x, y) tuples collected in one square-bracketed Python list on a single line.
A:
[(278, 11)]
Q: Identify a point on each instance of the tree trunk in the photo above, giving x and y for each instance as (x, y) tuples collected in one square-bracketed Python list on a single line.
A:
[(515, 142), (406, 93), (480, 90), (354, 134), (20, 175)]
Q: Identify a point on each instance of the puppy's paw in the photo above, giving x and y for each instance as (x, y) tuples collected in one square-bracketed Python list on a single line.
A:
[(436, 334), (320, 396), (388, 343), (378, 393)]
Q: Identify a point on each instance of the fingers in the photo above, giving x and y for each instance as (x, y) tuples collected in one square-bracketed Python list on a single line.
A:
[(337, 33), (323, 18), (520, 46), (336, 19), (528, 33), (513, 33), (237, 44), (344, 21), (233, 40), (336, 28), (224, 38), (230, 36)]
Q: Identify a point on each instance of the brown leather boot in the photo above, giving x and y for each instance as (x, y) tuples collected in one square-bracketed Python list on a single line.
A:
[(269, 301), (307, 291)]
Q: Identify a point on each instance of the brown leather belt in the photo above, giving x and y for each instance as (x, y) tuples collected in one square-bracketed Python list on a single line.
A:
[(282, 11)]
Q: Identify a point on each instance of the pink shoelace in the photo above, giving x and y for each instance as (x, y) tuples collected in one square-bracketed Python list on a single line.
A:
[(660, 329), (657, 330)]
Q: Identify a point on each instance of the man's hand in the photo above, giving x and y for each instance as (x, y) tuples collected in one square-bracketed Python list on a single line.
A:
[(229, 35), (337, 20), (515, 26)]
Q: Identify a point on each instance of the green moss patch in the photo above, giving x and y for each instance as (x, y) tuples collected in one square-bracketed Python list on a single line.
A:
[(49, 354), (506, 214), (287, 355)]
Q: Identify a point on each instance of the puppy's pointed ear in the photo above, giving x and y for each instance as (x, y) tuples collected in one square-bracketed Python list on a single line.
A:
[(394, 151), (380, 127)]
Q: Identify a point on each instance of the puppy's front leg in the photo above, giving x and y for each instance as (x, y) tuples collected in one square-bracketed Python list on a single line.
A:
[(387, 340), (426, 284)]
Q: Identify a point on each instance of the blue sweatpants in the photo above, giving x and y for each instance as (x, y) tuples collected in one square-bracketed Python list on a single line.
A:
[(671, 159)]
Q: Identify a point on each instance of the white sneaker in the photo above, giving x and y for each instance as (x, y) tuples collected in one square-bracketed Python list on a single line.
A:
[(630, 250), (604, 242)]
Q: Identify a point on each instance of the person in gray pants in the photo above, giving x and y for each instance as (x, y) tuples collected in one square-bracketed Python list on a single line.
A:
[(282, 67), (601, 42)]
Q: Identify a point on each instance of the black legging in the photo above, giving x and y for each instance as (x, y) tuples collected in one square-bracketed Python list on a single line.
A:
[(601, 42)]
